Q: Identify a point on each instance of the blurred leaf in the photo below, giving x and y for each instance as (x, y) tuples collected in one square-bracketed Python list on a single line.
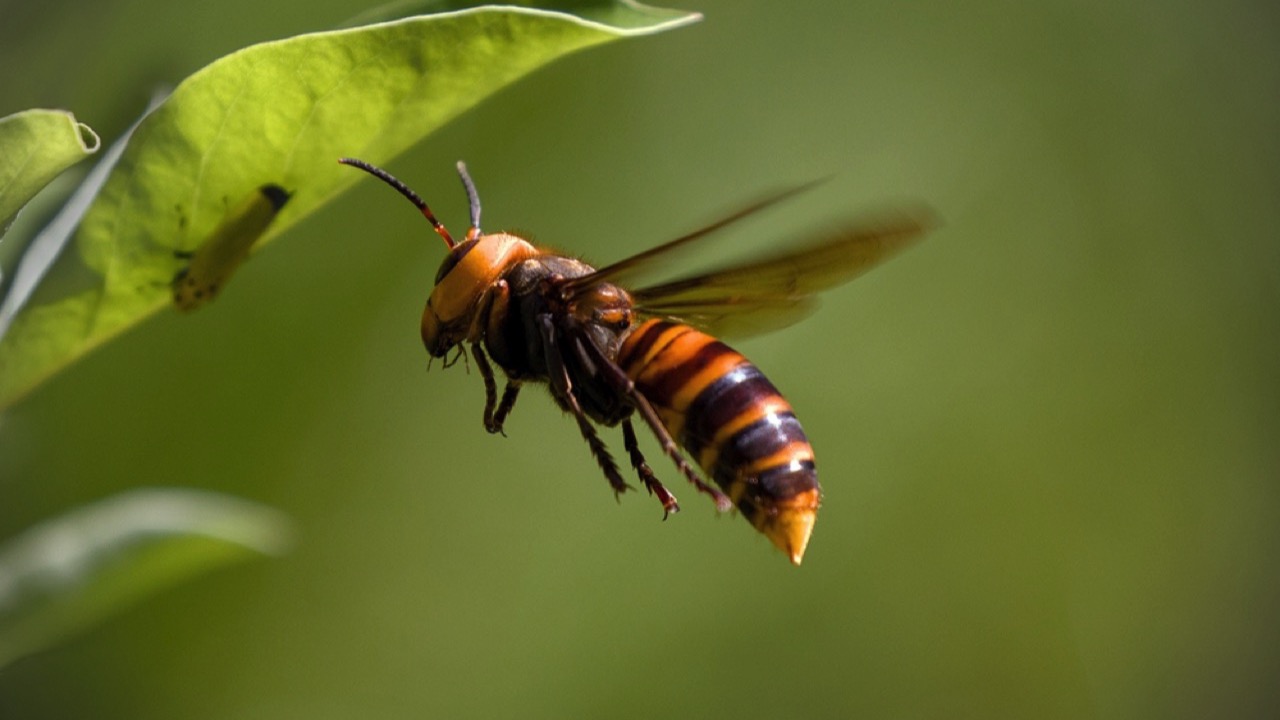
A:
[(38, 251), (281, 112), (36, 145), (66, 574)]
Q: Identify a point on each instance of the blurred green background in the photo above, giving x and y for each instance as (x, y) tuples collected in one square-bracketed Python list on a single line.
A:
[(1047, 435)]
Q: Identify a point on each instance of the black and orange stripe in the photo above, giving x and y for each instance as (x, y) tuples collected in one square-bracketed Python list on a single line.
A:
[(727, 415)]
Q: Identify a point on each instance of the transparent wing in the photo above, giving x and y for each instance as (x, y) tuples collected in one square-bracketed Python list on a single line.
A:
[(666, 255), (733, 318), (777, 290)]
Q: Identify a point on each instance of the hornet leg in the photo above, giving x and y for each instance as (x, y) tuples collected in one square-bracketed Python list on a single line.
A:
[(669, 504), (615, 376), (562, 386), (509, 395), (490, 388)]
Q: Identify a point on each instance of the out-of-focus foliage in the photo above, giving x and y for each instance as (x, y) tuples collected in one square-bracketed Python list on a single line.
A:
[(36, 145), (70, 572)]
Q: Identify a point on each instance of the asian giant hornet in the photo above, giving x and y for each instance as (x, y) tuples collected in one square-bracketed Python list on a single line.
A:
[(607, 351)]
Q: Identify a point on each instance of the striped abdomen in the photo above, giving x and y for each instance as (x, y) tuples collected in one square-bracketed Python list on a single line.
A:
[(727, 415)]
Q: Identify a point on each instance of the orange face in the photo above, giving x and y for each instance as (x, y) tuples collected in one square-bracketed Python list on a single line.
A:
[(465, 277)]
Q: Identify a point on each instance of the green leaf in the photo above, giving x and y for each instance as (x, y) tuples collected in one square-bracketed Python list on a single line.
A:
[(35, 146), (280, 113), (37, 251), (68, 573)]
